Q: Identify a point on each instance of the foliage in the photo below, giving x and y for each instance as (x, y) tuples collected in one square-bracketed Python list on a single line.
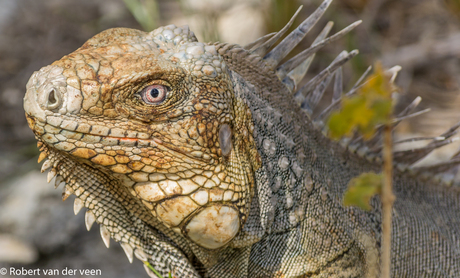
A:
[(371, 106), (145, 12), (155, 271), (453, 6), (361, 189)]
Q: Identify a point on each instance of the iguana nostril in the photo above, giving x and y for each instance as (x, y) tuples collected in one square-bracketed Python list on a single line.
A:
[(54, 99)]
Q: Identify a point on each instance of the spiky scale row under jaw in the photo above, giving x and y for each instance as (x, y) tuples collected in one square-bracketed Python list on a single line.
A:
[(87, 194)]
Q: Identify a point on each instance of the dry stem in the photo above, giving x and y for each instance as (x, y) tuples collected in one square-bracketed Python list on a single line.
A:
[(387, 201)]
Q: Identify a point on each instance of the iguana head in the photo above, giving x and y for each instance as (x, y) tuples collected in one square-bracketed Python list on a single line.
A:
[(157, 111)]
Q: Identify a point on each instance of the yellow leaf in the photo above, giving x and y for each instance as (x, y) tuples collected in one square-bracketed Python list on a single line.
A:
[(338, 127), (371, 106), (361, 189)]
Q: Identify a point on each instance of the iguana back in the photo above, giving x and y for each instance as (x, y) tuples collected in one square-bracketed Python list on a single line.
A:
[(206, 159)]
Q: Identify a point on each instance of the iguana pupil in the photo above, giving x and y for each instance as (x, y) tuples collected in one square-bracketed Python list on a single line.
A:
[(154, 94)]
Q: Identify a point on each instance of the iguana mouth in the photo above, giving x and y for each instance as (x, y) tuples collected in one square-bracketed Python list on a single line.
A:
[(96, 136), (76, 130)]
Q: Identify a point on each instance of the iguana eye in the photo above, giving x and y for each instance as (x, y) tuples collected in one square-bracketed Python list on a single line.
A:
[(154, 94)]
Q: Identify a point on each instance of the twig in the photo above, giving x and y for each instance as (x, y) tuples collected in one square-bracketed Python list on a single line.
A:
[(153, 269), (387, 200)]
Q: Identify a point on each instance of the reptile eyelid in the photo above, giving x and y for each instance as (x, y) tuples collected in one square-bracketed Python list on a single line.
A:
[(154, 94)]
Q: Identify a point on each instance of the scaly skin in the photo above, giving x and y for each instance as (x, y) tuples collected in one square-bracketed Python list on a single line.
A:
[(225, 176), (167, 154)]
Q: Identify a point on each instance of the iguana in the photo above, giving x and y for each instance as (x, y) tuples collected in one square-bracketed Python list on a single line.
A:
[(206, 159)]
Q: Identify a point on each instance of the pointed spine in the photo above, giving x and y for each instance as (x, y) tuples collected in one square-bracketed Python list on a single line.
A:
[(394, 72), (451, 131), (410, 107), (278, 53), (140, 254), (251, 46), (299, 58), (312, 100), (42, 156), (58, 181), (338, 84), (77, 205), (46, 165), (67, 192), (360, 80), (89, 219), (262, 50), (336, 103), (339, 61), (105, 236), (51, 174), (296, 75), (375, 143), (413, 155), (412, 115), (128, 251)]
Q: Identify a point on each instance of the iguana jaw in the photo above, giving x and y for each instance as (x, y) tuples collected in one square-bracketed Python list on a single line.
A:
[(191, 170), (195, 203)]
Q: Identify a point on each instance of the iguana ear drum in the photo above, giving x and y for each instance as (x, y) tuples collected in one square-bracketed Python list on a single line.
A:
[(225, 139)]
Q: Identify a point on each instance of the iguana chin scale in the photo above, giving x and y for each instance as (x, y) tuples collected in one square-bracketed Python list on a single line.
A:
[(205, 159)]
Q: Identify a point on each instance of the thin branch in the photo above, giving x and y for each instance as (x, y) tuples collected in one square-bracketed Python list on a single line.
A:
[(387, 201)]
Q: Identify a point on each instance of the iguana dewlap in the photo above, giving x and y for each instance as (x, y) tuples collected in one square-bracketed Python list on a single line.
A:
[(205, 159)]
